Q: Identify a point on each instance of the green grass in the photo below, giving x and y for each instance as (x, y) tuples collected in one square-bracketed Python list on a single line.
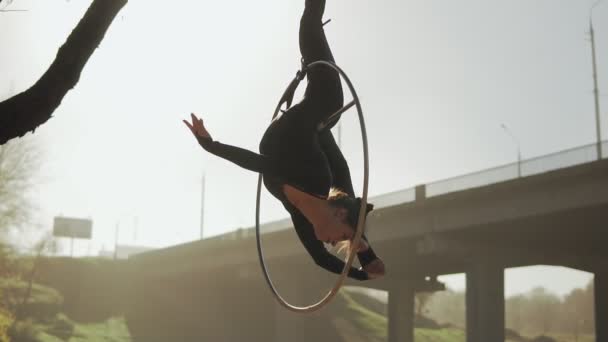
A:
[(439, 335), (565, 337), (112, 330), (6, 319), (375, 326), (44, 324), (44, 337), (366, 320), (14, 289)]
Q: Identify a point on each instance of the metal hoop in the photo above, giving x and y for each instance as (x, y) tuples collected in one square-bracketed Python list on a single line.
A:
[(362, 208)]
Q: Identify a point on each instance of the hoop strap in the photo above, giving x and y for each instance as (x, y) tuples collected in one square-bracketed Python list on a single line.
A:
[(287, 98)]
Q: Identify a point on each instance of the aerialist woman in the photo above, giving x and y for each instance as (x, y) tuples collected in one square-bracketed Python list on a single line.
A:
[(303, 167)]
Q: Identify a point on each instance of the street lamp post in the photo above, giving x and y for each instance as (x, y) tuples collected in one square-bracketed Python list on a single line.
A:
[(202, 223), (595, 86), (518, 148), (117, 230)]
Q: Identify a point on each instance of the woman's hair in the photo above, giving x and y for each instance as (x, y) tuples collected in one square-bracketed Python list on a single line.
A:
[(339, 199)]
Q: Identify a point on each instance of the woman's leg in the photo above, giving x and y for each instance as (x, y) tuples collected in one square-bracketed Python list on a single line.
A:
[(337, 163), (324, 94)]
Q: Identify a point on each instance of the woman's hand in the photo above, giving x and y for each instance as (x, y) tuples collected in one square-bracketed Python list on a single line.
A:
[(197, 127), (375, 269), (363, 246)]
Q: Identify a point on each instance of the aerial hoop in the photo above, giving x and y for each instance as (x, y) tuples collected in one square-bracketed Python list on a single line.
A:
[(362, 209)]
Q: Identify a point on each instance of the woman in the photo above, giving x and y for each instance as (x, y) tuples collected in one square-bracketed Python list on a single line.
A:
[(304, 168)]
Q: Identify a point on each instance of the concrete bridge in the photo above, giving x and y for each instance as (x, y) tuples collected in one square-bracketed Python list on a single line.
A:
[(551, 211)]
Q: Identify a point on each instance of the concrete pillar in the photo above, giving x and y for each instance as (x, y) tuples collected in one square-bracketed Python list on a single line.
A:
[(601, 306), (485, 300), (401, 312)]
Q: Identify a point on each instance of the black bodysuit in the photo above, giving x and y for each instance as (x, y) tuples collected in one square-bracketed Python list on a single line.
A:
[(293, 152)]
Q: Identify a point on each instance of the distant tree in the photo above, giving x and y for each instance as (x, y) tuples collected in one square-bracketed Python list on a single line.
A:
[(544, 309), (578, 312), (47, 244), (515, 310), (8, 260), (573, 305), (589, 308), (422, 299), (6, 320), (26, 111), (447, 307), (19, 162)]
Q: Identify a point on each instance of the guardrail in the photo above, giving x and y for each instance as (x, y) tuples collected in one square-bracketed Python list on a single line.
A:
[(528, 167)]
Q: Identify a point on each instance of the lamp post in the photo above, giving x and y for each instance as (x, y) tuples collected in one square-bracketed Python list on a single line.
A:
[(116, 232), (202, 223), (518, 148), (595, 87)]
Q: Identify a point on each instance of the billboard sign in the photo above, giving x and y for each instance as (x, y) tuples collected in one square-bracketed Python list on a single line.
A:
[(72, 227)]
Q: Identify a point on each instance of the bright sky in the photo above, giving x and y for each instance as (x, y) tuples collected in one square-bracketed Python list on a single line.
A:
[(436, 79)]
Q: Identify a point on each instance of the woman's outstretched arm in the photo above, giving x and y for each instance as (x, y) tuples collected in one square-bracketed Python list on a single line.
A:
[(241, 157)]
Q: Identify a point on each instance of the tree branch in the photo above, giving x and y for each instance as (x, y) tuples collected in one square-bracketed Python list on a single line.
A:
[(26, 111)]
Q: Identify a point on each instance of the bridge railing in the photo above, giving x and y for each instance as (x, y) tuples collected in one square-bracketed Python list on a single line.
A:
[(394, 198), (528, 167), (472, 180)]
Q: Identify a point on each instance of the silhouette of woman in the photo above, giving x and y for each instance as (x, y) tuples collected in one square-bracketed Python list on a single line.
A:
[(303, 167)]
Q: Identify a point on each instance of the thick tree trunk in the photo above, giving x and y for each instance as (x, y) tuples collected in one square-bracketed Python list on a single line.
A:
[(26, 111)]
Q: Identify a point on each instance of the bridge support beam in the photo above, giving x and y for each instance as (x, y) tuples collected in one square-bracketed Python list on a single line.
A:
[(401, 312), (485, 303), (601, 305)]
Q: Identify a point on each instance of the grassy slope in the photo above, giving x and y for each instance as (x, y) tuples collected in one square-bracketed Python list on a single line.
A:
[(354, 321), (112, 330), (566, 337), (13, 291), (371, 326)]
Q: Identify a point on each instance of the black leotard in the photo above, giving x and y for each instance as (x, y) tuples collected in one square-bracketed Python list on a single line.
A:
[(293, 152), (276, 173)]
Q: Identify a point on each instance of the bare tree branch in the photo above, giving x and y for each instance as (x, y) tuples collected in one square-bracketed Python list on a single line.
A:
[(26, 111)]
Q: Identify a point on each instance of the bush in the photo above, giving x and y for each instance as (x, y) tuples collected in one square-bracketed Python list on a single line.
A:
[(43, 303), (6, 320), (62, 327), (93, 289), (24, 331)]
